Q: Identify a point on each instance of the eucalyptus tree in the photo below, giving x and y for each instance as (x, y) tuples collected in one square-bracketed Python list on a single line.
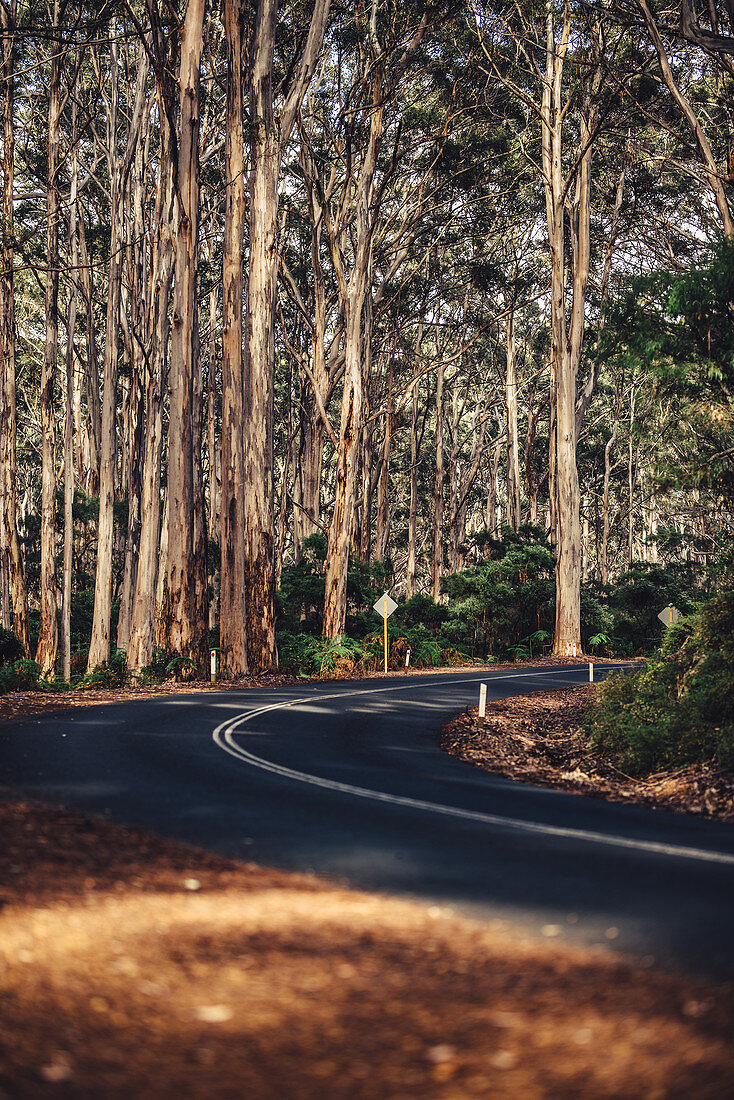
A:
[(9, 427), (274, 105)]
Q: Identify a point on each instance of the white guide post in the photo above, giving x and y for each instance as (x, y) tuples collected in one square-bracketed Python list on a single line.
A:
[(213, 665), (591, 673), (482, 700)]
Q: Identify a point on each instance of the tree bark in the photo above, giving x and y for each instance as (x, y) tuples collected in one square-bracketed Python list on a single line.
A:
[(267, 151), (68, 561), (142, 627), (47, 647), (513, 446), (9, 519), (233, 610), (437, 555), (178, 629)]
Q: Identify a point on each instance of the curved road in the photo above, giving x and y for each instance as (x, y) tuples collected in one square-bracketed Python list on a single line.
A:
[(348, 779)]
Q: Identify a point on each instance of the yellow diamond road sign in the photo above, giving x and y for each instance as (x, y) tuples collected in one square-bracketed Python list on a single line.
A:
[(669, 615), (385, 605)]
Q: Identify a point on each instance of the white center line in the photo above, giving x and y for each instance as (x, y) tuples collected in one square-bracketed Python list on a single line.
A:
[(224, 738)]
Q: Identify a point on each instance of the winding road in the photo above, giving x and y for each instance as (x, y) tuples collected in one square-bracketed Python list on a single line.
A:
[(346, 778)]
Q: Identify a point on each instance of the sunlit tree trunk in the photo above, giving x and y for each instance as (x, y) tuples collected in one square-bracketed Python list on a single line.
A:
[(410, 569), (437, 555), (233, 610), (69, 415), (513, 447), (47, 648), (9, 519), (178, 628), (142, 628), (268, 146)]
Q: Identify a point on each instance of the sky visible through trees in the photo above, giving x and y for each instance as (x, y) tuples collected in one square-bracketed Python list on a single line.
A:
[(300, 301)]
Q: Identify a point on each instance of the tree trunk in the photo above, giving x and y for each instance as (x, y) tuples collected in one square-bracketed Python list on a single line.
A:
[(69, 416), (142, 636), (233, 610), (410, 570), (437, 556), (178, 628), (605, 508), (48, 630), (99, 646), (94, 413), (138, 309), (513, 447), (9, 517), (267, 151)]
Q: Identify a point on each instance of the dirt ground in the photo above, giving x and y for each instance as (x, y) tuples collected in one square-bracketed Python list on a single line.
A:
[(131, 966), (538, 738)]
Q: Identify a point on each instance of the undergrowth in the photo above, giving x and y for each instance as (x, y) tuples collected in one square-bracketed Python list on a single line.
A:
[(679, 708)]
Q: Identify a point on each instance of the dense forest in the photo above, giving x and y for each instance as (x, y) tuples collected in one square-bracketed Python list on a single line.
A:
[(303, 302)]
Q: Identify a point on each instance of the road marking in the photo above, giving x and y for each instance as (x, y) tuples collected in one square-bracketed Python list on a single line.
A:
[(224, 738)]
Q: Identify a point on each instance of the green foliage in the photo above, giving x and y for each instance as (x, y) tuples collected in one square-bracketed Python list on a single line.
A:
[(496, 606), (635, 601), (679, 708), (111, 675), (10, 647), (23, 675), (165, 666), (306, 655)]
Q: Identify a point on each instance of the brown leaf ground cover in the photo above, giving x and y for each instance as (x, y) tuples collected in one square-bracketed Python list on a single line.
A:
[(538, 738), (131, 966)]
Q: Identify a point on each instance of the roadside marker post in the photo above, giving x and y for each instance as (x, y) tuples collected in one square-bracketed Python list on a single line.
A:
[(482, 700), (591, 673), (407, 659), (213, 665), (385, 607)]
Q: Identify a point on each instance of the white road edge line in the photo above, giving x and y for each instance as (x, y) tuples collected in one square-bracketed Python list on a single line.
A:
[(224, 737)]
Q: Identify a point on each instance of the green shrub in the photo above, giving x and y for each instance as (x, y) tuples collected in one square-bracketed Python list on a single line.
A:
[(112, 675), (306, 655), (679, 708), (23, 675)]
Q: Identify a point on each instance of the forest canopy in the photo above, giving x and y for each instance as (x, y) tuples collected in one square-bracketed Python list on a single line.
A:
[(303, 302)]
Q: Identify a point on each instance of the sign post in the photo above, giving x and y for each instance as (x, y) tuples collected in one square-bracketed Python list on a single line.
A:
[(669, 615), (385, 607)]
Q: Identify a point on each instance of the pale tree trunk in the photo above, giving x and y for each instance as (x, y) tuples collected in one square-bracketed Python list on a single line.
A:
[(566, 338), (48, 630), (513, 446), (69, 414), (134, 457), (178, 629), (605, 507), (491, 512), (437, 555), (213, 451), (364, 513), (233, 610), (410, 569), (119, 167), (383, 503), (94, 413), (9, 517), (267, 152), (142, 637)]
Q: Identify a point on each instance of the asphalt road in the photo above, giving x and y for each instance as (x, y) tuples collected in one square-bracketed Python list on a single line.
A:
[(347, 778)]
